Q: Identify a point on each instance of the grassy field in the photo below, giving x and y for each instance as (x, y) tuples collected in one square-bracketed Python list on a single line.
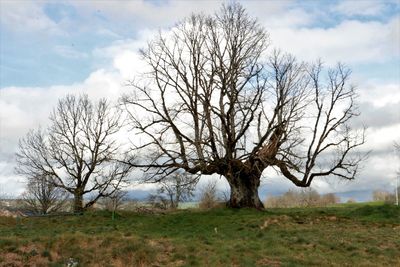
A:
[(348, 235)]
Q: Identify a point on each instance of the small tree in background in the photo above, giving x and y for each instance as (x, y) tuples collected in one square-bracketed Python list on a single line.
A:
[(115, 200), (309, 197), (42, 197), (158, 201), (178, 187)]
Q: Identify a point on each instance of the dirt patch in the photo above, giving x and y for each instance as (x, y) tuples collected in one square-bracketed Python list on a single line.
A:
[(331, 218), (274, 220), (268, 262), (396, 227), (165, 249), (11, 258), (24, 256)]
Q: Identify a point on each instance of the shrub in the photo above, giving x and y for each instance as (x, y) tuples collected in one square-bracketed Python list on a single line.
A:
[(209, 196)]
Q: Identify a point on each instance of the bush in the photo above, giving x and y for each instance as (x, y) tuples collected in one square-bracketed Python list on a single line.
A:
[(209, 196)]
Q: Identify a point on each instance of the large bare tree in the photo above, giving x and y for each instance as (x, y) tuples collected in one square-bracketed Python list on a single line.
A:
[(78, 151), (215, 101)]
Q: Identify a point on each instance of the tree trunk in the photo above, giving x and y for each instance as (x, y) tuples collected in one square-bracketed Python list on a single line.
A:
[(244, 192), (78, 202)]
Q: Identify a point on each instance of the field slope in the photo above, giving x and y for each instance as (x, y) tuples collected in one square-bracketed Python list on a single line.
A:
[(354, 235)]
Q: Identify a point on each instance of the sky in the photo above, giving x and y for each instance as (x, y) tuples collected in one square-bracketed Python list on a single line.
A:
[(51, 48)]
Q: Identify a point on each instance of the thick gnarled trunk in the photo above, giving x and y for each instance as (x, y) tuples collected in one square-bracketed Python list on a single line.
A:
[(244, 192)]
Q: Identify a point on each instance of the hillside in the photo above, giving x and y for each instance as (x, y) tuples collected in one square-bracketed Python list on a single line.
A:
[(347, 235)]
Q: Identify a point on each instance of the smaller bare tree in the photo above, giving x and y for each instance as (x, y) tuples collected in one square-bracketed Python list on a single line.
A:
[(157, 201), (114, 201), (78, 151), (309, 197), (42, 197), (178, 187)]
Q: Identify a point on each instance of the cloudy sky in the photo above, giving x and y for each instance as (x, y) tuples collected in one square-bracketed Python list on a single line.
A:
[(51, 48)]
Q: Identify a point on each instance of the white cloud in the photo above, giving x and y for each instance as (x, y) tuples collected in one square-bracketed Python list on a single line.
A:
[(360, 7), (107, 33), (69, 52), (379, 95), (27, 16), (146, 13), (381, 139), (285, 18), (350, 41)]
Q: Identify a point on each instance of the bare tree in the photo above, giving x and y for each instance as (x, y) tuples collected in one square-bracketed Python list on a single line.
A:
[(309, 197), (78, 150), (115, 200), (42, 197), (213, 101), (157, 201), (178, 187)]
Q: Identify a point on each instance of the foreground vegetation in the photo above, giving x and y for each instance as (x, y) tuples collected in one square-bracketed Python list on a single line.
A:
[(346, 235)]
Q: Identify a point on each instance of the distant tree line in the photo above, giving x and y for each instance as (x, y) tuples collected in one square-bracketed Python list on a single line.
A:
[(301, 198), (385, 196)]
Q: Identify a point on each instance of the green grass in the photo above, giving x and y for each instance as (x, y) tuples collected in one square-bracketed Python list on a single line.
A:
[(346, 235)]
